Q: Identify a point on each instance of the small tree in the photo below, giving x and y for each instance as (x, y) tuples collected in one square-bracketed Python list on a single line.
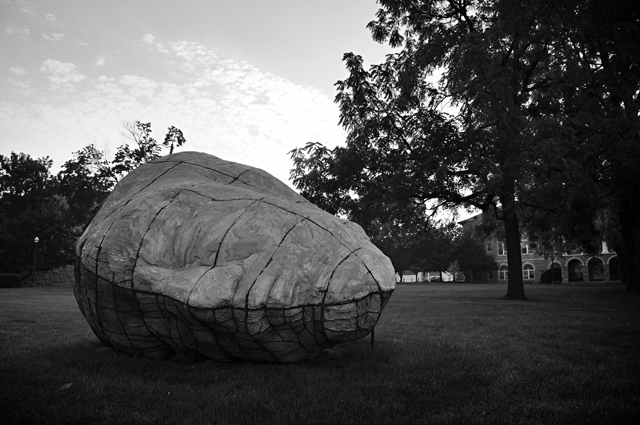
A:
[(469, 253), (146, 148), (173, 137)]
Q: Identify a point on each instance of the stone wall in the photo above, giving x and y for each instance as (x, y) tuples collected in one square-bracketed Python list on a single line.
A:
[(59, 277)]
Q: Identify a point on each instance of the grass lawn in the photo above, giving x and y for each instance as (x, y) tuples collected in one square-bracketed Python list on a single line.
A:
[(445, 353)]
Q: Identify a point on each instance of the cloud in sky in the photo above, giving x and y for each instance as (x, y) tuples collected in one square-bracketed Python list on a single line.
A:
[(17, 31), (61, 73), (23, 82), (51, 18), (54, 37), (246, 82), (148, 38), (29, 11), (18, 71), (102, 60), (225, 107)]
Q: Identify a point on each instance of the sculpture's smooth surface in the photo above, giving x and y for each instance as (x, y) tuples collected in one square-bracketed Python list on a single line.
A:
[(193, 255)]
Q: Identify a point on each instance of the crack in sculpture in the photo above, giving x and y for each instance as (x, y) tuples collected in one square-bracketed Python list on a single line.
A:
[(246, 305), (235, 178), (135, 261), (286, 280), (215, 261)]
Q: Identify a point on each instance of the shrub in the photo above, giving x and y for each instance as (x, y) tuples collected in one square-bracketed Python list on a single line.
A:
[(10, 280), (551, 276)]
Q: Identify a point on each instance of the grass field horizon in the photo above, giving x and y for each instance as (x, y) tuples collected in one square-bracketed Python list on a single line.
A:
[(444, 353)]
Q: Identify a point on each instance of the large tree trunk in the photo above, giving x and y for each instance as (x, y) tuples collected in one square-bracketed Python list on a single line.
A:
[(629, 214), (515, 285)]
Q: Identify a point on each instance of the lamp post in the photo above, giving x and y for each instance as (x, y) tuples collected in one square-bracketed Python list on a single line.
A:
[(35, 250)]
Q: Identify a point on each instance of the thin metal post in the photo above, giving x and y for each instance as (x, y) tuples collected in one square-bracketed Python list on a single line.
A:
[(33, 269), (373, 337)]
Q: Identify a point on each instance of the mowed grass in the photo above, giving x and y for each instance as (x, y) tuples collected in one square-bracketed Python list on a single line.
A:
[(444, 353)]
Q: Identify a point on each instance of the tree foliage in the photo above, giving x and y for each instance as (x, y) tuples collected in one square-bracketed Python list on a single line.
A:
[(417, 249), (22, 175), (85, 181), (145, 148), (30, 207), (470, 254), (57, 209), (402, 149), (535, 91), (590, 192), (174, 137)]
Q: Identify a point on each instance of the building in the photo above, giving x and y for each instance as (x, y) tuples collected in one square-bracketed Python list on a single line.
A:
[(574, 266), (410, 276)]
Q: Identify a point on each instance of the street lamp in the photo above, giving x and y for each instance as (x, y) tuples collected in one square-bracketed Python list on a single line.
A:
[(35, 250)]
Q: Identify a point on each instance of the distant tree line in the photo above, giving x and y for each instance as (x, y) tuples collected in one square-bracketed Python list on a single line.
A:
[(57, 208), (442, 247)]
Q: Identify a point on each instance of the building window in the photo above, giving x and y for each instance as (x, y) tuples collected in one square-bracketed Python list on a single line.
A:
[(488, 247), (527, 272), (502, 250), (489, 275), (524, 248), (503, 273)]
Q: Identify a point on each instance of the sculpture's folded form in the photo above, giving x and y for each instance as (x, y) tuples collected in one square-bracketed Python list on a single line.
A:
[(193, 255)]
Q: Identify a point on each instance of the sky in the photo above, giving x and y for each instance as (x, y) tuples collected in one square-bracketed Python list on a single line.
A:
[(245, 80)]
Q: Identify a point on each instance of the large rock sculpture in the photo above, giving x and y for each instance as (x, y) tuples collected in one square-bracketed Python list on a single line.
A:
[(192, 255)]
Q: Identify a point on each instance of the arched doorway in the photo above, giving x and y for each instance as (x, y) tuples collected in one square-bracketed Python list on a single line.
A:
[(575, 271), (614, 268), (596, 270)]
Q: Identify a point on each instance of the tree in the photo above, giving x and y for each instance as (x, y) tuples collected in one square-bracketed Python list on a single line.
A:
[(57, 209), (145, 149), (87, 178), (591, 191), (469, 253), (21, 175), (174, 136), (30, 206), (84, 182), (604, 113), (403, 149), (417, 249)]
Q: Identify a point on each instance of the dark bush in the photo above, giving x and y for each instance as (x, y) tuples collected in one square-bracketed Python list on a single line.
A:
[(11, 280), (551, 276)]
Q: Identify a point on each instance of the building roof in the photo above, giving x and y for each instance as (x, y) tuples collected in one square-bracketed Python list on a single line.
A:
[(472, 219)]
